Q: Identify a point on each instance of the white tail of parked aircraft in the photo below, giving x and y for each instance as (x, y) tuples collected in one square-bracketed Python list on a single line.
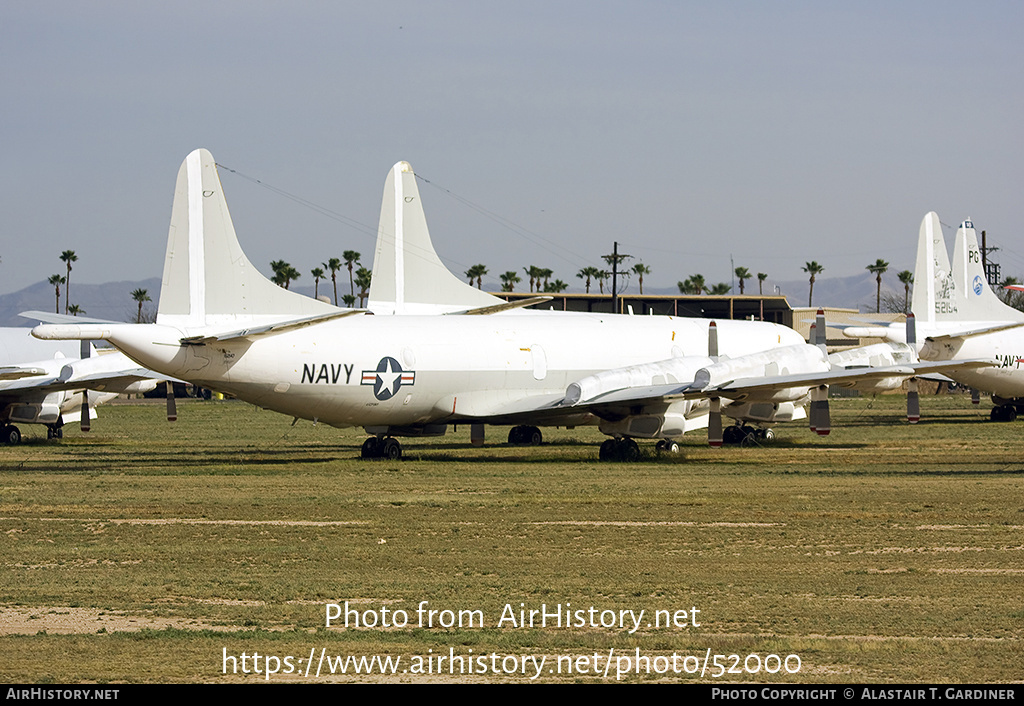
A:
[(448, 354), (960, 318)]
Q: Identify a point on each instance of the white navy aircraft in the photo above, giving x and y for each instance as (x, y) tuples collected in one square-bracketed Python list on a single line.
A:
[(52, 383), (959, 317), (427, 354)]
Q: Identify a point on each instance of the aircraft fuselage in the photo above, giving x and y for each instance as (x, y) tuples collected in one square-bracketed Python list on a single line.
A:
[(412, 370)]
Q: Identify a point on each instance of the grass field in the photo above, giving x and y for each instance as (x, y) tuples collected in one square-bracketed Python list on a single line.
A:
[(148, 552)]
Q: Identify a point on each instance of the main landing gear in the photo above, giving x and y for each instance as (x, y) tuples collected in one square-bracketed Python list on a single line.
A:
[(746, 435), (1003, 413), (524, 436), (10, 435), (623, 449), (626, 449), (380, 447)]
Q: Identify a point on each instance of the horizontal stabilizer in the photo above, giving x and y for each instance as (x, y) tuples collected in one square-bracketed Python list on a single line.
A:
[(269, 329), (504, 306), (51, 318)]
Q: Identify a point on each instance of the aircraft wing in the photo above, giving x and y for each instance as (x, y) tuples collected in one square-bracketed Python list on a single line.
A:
[(112, 372), (793, 386), (975, 332)]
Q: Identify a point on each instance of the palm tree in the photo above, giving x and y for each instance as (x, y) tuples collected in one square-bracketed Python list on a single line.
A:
[(761, 277), (556, 286), (57, 281), (334, 264), (602, 277), (586, 274), (742, 273), (75, 310), (351, 258), (720, 289), (694, 284), (907, 278), (141, 296), (278, 267), (534, 272), (68, 256), (878, 269), (349, 300), (318, 274), (640, 269), (509, 280), (813, 269), (284, 273), (544, 274), (362, 280), (476, 272)]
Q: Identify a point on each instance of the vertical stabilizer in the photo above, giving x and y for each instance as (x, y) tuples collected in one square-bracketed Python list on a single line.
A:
[(408, 276), (977, 301), (934, 288), (208, 281)]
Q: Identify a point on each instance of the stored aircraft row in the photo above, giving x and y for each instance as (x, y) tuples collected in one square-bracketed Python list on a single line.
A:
[(959, 317), (52, 383), (431, 351)]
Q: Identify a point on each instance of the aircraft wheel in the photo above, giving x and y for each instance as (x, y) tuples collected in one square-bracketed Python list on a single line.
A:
[(392, 450), (1003, 413), (371, 448), (607, 452), (629, 450), (667, 447), (11, 435), (513, 436), (533, 437), (54, 432), (767, 435), (731, 435)]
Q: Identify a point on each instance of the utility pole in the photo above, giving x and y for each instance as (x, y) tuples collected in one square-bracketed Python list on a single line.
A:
[(991, 270), (614, 260)]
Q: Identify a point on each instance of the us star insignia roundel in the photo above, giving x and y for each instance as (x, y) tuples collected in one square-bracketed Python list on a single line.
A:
[(387, 378)]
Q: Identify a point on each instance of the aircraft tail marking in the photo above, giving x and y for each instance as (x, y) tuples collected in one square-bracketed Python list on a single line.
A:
[(977, 301)]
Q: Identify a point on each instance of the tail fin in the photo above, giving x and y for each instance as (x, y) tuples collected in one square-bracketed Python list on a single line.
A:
[(977, 300), (208, 281), (934, 286), (408, 276)]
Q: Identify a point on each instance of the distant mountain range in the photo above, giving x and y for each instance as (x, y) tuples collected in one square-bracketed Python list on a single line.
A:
[(113, 300)]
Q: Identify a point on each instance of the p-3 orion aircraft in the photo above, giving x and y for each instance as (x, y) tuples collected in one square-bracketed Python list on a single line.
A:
[(959, 317), (420, 359)]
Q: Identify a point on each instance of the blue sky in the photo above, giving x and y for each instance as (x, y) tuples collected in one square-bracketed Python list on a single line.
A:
[(776, 133)]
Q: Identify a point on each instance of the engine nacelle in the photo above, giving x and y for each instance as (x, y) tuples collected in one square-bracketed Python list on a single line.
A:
[(878, 355), (790, 360), (663, 372)]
